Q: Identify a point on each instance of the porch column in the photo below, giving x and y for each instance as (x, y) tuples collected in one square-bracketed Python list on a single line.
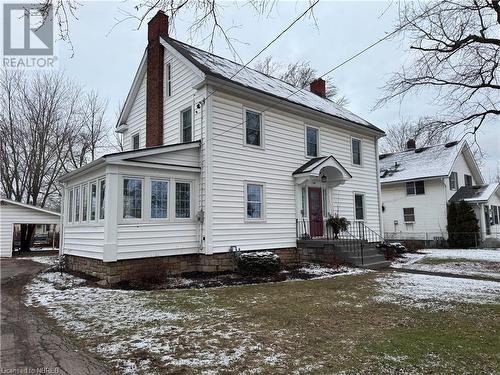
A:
[(111, 213)]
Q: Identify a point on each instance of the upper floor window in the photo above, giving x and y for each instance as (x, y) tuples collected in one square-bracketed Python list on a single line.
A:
[(468, 180), (359, 206), (135, 141), (312, 141), (169, 79), (254, 201), (187, 125), (356, 151), (132, 198), (159, 199), (253, 128), (182, 200), (453, 181), (409, 215), (415, 188)]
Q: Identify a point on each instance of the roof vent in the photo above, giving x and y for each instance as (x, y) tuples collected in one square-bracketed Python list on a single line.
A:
[(421, 149), (451, 144)]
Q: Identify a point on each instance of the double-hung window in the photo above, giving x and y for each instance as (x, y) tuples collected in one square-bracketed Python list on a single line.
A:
[(356, 151), (85, 201), (312, 141), (468, 180), (409, 214), (359, 206), (182, 200), (253, 128), (254, 201), (93, 200), (132, 198), (415, 188), (187, 125), (135, 141), (159, 199), (453, 181), (102, 195)]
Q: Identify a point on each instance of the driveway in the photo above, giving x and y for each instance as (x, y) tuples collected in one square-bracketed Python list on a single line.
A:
[(30, 343)]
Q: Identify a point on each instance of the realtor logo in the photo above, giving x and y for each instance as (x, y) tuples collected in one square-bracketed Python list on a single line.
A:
[(28, 30)]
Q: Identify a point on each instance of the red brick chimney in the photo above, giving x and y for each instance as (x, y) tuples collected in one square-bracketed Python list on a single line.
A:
[(318, 87), (158, 25), (411, 144)]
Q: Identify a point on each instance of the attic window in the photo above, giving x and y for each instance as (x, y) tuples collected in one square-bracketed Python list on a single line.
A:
[(468, 180), (453, 181), (415, 188)]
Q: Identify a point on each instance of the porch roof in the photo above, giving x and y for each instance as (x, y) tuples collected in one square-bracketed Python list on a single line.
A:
[(314, 166)]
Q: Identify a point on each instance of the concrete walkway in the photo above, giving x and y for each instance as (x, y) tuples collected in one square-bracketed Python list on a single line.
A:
[(30, 344), (443, 274)]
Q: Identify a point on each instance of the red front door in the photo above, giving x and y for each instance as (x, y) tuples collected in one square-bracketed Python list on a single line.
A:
[(315, 212)]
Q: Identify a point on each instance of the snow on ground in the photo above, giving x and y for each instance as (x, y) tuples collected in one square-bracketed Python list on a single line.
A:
[(50, 260), (437, 292), (321, 272), (473, 262)]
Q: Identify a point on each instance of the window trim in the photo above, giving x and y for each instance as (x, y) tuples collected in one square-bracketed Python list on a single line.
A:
[(262, 128), (405, 215), (414, 187), (122, 196), (136, 134), (354, 193), (191, 199), (168, 72), (96, 213), (318, 141), (150, 200), (71, 205), (99, 182), (85, 198), (263, 217), (465, 179), (189, 108), (455, 180), (361, 153)]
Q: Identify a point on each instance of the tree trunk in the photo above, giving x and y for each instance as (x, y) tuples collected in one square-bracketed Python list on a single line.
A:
[(27, 234)]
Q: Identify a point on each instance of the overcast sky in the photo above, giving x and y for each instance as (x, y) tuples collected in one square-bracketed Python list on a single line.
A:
[(106, 55)]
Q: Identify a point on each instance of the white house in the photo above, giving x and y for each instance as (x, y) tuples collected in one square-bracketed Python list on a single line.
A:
[(217, 156), (417, 184), (13, 213)]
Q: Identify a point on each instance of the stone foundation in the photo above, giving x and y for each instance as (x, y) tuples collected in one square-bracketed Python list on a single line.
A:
[(158, 267)]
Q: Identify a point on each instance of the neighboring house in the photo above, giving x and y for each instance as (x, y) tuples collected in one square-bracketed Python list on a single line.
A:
[(417, 185), (217, 157), (485, 200), (13, 213)]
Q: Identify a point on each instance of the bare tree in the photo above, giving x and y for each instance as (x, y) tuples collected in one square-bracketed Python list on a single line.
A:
[(44, 118), (454, 55), (298, 74)]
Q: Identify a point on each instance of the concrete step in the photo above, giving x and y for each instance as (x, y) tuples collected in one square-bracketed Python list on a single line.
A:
[(376, 265), (367, 259)]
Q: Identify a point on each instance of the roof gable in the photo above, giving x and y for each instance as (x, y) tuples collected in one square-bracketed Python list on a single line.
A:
[(28, 206)]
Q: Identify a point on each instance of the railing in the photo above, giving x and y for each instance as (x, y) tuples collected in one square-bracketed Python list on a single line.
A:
[(363, 232)]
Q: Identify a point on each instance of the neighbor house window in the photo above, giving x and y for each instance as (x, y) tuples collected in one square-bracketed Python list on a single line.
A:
[(77, 204), (135, 141), (132, 198), (409, 215), (496, 214), (70, 211), (359, 206), (85, 202), (93, 200), (159, 199), (453, 181), (253, 128), (312, 141), (356, 151), (468, 180), (187, 125), (415, 188), (169, 80), (254, 198), (182, 200), (102, 194)]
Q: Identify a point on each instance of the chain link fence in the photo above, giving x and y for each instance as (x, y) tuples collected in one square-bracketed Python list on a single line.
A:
[(440, 240)]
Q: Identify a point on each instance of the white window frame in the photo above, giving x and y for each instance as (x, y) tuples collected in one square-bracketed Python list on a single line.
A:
[(78, 210), (169, 80), (174, 199), (318, 140), (99, 182), (361, 153), (121, 197), (71, 205), (261, 219), (455, 180), (404, 215), (354, 205), (189, 108), (94, 182), (169, 198), (85, 197), (465, 179), (137, 134), (262, 128)]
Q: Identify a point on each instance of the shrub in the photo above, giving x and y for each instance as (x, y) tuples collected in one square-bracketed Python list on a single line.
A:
[(258, 263), (463, 228)]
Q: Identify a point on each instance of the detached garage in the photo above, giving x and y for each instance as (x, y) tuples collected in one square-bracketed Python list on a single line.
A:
[(13, 213)]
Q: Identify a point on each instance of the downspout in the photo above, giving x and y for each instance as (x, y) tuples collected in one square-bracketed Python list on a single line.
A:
[(61, 221), (379, 191)]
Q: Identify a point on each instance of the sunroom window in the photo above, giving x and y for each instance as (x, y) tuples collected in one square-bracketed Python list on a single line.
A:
[(85, 200), (102, 194), (70, 210), (182, 200), (77, 204), (159, 199), (132, 198), (93, 200)]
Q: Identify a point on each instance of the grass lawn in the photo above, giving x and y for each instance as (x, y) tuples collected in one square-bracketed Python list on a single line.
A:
[(346, 324)]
